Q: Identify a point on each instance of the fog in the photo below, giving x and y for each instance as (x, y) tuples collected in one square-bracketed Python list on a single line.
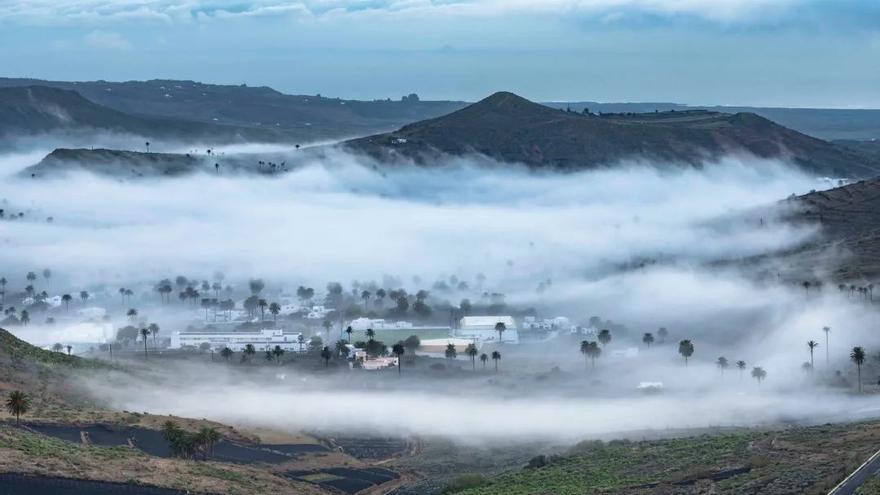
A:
[(645, 245)]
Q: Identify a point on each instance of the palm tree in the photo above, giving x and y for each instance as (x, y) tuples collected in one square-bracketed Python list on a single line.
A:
[(365, 295), (722, 364), (370, 334), (269, 356), (17, 404), (25, 317), (858, 356), (496, 356), (154, 330), (686, 349), (472, 352), (483, 358), (274, 308), (278, 352), (451, 352), (349, 331), (84, 295), (759, 374), (648, 339), (66, 298), (500, 327), (662, 332), (226, 353), (742, 366), (327, 326), (145, 332), (326, 355), (585, 350), (398, 350), (69, 349), (827, 330), (132, 313), (249, 350), (812, 345), (262, 304), (604, 337)]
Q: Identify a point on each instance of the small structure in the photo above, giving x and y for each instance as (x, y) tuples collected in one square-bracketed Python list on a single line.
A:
[(483, 329), (262, 340), (437, 347)]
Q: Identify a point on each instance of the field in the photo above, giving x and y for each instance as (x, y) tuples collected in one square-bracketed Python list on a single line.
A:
[(801, 460)]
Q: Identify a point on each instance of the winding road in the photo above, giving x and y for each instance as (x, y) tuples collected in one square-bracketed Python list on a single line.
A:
[(858, 477)]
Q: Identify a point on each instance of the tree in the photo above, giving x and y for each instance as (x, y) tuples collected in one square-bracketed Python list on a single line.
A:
[(496, 356), (349, 331), (84, 295), (327, 324), (69, 349), (686, 349), (326, 355), (648, 339), (269, 356), (827, 330), (256, 285), (25, 317), (398, 350), (226, 353), (263, 305), (722, 364), (604, 337), (66, 298), (858, 356), (592, 350), (585, 350), (18, 403), (812, 345), (741, 365), (663, 333), (341, 348), (249, 350), (500, 327), (57, 347), (154, 330), (145, 332), (483, 358), (278, 352), (274, 308), (371, 334), (451, 353), (472, 352), (132, 314), (365, 295), (759, 374)]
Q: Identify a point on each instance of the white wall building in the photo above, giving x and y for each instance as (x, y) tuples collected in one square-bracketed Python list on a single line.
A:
[(482, 329), (262, 340)]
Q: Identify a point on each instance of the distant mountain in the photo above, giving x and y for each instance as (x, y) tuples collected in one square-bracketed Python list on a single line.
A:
[(30, 110), (509, 128), (305, 116), (823, 123)]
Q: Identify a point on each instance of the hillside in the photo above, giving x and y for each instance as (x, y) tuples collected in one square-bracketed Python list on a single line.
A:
[(310, 117), (33, 110), (117, 163), (849, 219), (509, 128)]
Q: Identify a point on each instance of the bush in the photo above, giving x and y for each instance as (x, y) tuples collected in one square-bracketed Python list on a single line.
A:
[(465, 482)]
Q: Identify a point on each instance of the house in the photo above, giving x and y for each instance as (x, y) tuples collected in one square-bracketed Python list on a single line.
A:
[(482, 329), (437, 347), (262, 340)]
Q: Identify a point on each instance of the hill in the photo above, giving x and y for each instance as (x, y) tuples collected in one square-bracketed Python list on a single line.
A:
[(509, 128), (33, 110), (117, 163), (823, 123), (306, 117), (849, 222)]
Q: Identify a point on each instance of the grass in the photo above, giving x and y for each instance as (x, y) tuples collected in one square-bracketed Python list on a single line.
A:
[(19, 349), (799, 460)]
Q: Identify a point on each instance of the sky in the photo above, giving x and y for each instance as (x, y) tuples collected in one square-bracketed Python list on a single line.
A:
[(803, 53)]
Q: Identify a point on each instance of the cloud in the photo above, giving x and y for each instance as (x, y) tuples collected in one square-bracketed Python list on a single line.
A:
[(171, 10), (103, 40)]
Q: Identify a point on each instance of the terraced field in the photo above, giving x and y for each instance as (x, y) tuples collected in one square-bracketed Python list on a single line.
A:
[(804, 460)]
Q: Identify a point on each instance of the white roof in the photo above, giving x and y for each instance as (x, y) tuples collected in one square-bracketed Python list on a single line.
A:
[(487, 320)]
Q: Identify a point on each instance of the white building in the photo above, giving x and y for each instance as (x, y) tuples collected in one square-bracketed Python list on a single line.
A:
[(482, 329), (262, 340)]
